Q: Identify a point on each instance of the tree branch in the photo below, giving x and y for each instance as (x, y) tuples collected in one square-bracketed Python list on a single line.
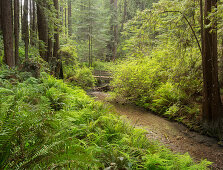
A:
[(189, 25)]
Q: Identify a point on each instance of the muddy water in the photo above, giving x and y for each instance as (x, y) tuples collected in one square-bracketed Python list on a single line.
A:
[(174, 135)]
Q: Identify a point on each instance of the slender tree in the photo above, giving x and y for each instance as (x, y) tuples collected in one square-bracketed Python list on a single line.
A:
[(65, 19), (62, 12), (25, 28), (69, 18), (32, 42), (124, 15), (115, 30), (7, 28), (16, 30), (34, 18), (58, 68)]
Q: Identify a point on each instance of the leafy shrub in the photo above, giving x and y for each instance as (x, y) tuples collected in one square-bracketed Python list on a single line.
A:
[(68, 53), (164, 97), (82, 77), (152, 82), (162, 70)]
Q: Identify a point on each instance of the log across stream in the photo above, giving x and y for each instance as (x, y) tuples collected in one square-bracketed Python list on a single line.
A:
[(172, 134)]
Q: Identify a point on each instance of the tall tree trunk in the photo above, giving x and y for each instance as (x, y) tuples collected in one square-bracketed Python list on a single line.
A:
[(124, 15), (212, 106), (34, 19), (58, 69), (42, 30), (50, 49), (69, 19), (202, 27), (0, 15), (21, 12), (65, 24), (25, 28), (115, 30), (16, 30), (89, 34), (7, 28), (31, 22), (61, 12), (50, 37)]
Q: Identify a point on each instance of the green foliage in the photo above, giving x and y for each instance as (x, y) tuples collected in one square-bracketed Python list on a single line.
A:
[(68, 53), (162, 69), (106, 66), (75, 73), (46, 124), (152, 82), (164, 97), (82, 77)]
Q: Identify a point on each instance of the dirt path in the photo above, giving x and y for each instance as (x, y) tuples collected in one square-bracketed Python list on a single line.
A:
[(174, 135)]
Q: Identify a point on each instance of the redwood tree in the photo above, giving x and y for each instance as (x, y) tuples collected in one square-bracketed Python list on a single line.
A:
[(16, 30), (25, 28), (212, 106), (7, 28), (69, 19), (56, 56), (42, 29)]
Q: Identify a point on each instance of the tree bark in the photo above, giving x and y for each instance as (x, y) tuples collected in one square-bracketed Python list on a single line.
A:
[(115, 30), (25, 28), (124, 15), (42, 30), (58, 68), (65, 18), (34, 18), (69, 18), (16, 30), (31, 22), (7, 28), (0, 15), (212, 106), (61, 13), (21, 12)]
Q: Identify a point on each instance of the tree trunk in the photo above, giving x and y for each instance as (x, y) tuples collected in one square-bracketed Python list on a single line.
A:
[(115, 30), (25, 28), (0, 16), (58, 68), (34, 19), (69, 19), (50, 50), (21, 11), (7, 28), (61, 13), (16, 30), (124, 15), (42, 30), (31, 22), (212, 106), (65, 20)]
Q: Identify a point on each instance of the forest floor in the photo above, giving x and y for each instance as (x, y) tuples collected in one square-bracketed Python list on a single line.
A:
[(172, 134)]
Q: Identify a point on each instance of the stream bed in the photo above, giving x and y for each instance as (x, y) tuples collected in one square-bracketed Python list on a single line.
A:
[(172, 134)]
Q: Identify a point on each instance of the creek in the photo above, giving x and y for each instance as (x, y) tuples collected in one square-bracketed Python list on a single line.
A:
[(172, 134)]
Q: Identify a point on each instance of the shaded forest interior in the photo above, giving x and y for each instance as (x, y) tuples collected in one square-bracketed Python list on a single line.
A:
[(165, 56)]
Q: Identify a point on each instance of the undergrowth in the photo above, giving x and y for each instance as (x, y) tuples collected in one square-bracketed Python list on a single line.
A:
[(152, 84), (47, 124)]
